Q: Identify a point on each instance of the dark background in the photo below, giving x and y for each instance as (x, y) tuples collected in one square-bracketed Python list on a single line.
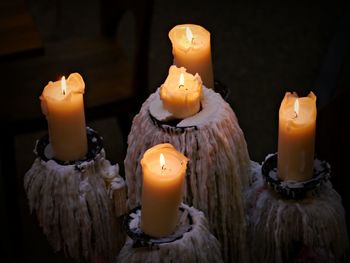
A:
[(260, 50)]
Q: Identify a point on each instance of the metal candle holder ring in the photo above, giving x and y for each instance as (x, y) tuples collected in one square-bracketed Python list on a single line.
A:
[(184, 245), (141, 239), (291, 189), (95, 145), (170, 126)]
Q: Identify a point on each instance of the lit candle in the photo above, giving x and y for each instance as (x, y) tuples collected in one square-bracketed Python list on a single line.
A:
[(163, 169), (296, 137), (181, 93), (62, 103), (191, 49)]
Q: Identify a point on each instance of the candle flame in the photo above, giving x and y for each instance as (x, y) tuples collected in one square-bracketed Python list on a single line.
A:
[(296, 107), (181, 80), (63, 86), (189, 34), (162, 161)]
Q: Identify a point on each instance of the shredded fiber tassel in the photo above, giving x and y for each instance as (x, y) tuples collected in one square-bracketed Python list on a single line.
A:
[(73, 207), (312, 229)]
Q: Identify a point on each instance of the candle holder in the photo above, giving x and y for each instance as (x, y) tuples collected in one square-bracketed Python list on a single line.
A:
[(295, 221), (76, 202), (291, 189), (191, 242), (218, 169)]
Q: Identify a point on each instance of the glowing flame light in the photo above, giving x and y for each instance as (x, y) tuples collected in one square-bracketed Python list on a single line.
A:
[(296, 107), (189, 34), (63, 86), (162, 161), (181, 80)]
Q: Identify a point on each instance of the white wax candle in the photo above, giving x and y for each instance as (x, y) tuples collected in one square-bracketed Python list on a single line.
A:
[(191, 49), (181, 93), (62, 103), (163, 171), (296, 137)]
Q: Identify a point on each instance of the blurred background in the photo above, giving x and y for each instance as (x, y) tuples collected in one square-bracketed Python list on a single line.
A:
[(260, 50)]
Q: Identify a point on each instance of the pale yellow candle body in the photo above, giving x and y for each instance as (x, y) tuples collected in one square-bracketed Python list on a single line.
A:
[(162, 189), (193, 53), (66, 119), (181, 99), (296, 137)]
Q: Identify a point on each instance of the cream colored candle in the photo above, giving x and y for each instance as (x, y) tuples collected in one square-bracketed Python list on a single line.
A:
[(296, 137), (163, 169), (191, 49), (62, 103), (181, 93)]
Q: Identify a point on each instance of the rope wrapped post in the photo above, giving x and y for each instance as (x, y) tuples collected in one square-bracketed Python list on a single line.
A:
[(73, 203), (218, 170), (191, 242), (295, 221)]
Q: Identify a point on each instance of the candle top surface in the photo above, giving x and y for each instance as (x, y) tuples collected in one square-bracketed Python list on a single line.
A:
[(189, 37), (174, 163), (298, 111), (179, 82), (62, 89), (171, 166)]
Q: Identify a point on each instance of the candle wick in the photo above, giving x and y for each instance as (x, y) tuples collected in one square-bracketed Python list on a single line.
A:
[(163, 167), (181, 86), (296, 115)]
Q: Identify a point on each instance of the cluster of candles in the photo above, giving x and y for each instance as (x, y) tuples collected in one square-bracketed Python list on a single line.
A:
[(163, 167)]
